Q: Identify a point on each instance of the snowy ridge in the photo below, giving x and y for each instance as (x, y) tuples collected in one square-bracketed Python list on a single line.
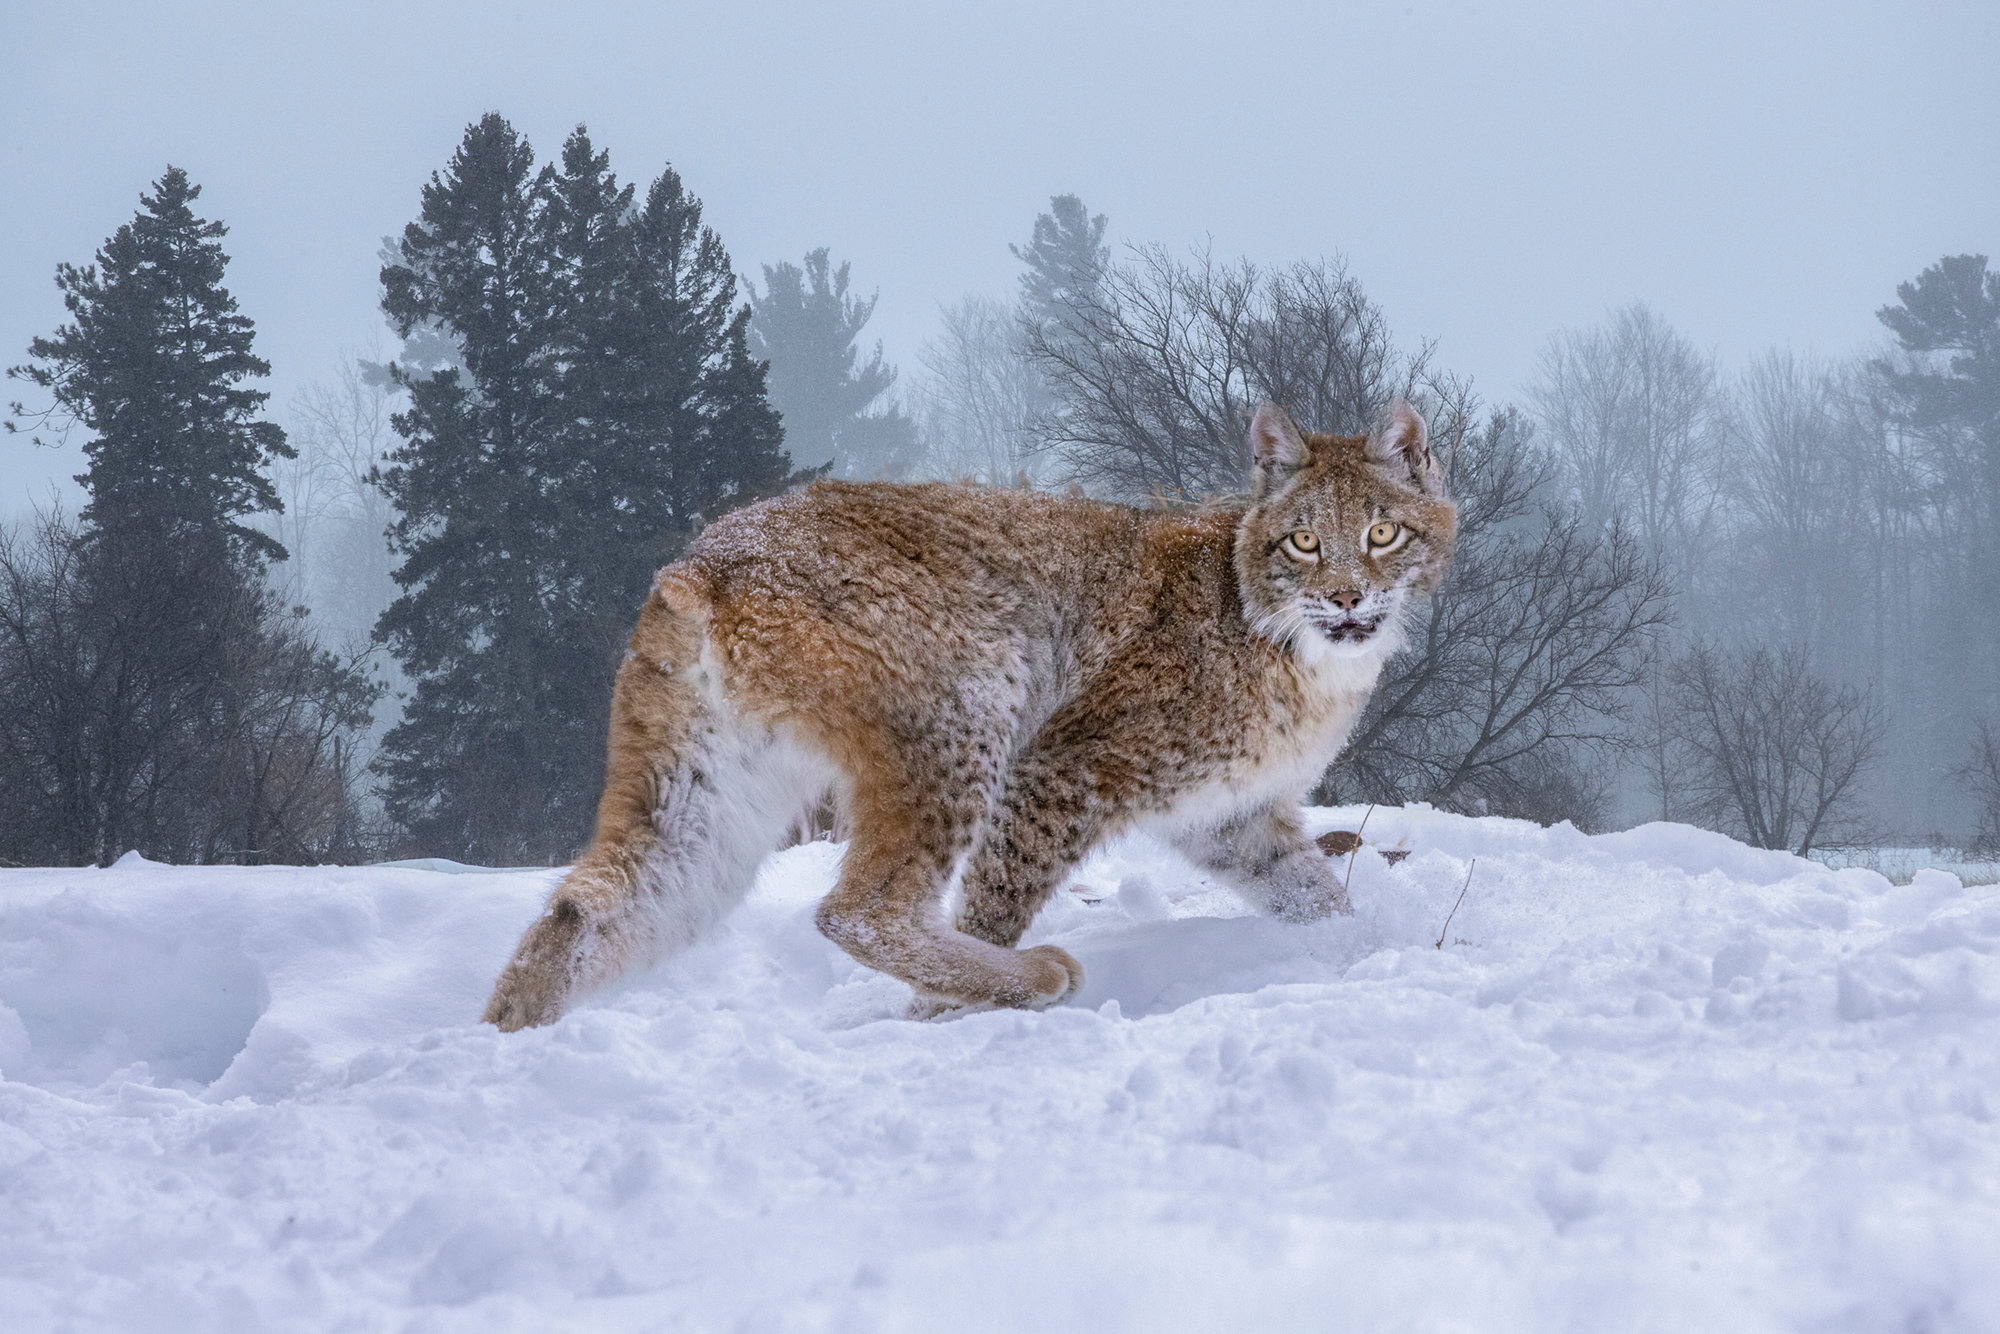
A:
[(1654, 1080)]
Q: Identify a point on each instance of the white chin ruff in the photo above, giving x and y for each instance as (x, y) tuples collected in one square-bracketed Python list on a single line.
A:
[(1353, 666), (1340, 666)]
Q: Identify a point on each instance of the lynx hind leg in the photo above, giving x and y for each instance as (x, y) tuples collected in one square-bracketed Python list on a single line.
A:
[(695, 797), (1264, 855)]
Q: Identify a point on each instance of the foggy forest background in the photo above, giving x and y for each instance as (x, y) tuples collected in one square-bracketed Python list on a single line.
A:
[(381, 619)]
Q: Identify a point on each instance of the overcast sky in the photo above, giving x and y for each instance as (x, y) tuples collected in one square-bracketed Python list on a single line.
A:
[(1492, 172)]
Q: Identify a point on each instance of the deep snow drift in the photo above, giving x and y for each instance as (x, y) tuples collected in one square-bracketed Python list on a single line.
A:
[(1652, 1080)]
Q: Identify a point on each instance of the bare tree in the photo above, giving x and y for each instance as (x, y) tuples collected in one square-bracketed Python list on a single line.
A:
[(1630, 411), (1511, 700), (1772, 752), (981, 396), (50, 680), (1652, 744), (167, 704), (1806, 547), (1154, 367), (335, 516), (1981, 772), (288, 768), (1508, 698)]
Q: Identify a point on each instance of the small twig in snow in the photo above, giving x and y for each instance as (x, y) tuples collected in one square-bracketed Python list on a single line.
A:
[(1454, 907), (1356, 852)]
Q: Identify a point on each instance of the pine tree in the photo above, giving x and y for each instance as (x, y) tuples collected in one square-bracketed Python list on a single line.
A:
[(154, 367), (1950, 319), (1065, 256), (713, 438), (155, 695), (1944, 396), (805, 325), (602, 406)]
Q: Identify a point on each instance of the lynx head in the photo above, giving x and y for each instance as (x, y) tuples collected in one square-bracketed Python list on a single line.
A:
[(1342, 535)]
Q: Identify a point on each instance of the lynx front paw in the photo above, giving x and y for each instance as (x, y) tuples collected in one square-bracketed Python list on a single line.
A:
[(1313, 907), (1316, 892), (534, 987)]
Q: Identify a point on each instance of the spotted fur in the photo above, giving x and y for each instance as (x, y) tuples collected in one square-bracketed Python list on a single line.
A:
[(992, 682)]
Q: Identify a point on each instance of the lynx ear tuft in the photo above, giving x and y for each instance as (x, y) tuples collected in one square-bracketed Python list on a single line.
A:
[(1401, 438), (1274, 442)]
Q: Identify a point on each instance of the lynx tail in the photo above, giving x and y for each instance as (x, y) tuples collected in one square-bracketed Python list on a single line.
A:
[(694, 797)]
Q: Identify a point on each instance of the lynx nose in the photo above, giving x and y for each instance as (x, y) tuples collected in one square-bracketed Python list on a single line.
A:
[(1347, 599)]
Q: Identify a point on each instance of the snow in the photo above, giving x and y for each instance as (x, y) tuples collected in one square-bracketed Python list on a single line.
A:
[(1651, 1081), (1899, 864)]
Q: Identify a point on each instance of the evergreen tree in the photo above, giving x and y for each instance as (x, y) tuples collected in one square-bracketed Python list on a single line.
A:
[(462, 484), (152, 692), (1948, 320), (601, 406), (805, 325), (1065, 255), (154, 367), (1943, 395), (713, 439)]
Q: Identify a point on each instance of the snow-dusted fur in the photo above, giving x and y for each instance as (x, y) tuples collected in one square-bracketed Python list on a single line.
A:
[(993, 682)]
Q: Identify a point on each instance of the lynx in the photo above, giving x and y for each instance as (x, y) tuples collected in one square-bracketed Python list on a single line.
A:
[(992, 682)]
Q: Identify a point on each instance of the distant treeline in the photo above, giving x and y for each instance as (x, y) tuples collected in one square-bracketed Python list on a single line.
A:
[(1760, 600)]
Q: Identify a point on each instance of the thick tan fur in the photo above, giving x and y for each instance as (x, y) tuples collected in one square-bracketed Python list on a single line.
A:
[(994, 680)]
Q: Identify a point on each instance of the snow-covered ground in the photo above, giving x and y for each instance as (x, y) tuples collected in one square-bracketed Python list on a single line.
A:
[(1652, 1080), (1900, 864)]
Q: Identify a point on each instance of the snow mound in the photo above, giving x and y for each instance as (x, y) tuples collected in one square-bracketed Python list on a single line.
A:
[(1649, 1080)]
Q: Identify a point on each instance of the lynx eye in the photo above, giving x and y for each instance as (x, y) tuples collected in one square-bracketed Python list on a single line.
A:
[(1382, 536), (1304, 541)]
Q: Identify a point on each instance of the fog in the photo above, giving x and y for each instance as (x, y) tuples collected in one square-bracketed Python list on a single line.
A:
[(1630, 259), (1760, 174), (1580, 421)]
